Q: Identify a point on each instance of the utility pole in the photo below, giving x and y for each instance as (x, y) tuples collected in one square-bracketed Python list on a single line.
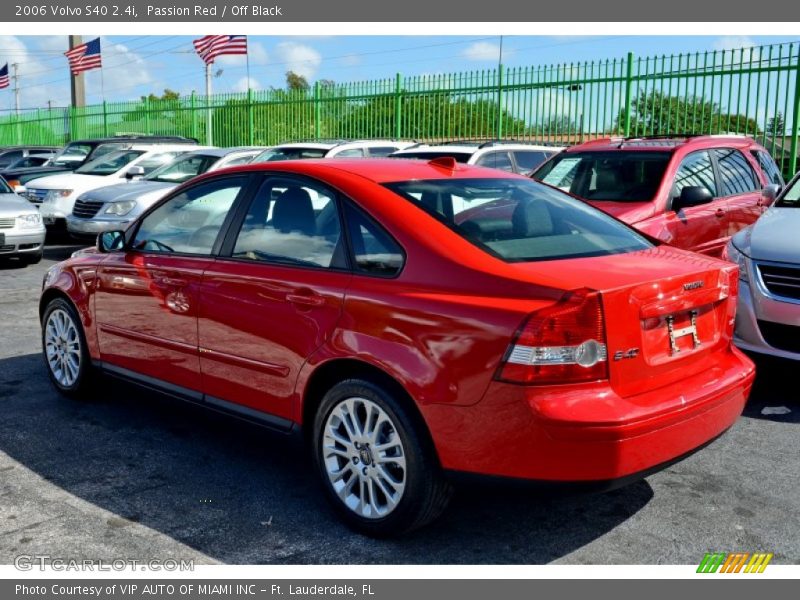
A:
[(15, 77), (77, 83)]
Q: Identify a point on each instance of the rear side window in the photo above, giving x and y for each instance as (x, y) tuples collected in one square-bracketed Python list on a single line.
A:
[(696, 170), (528, 160), (381, 151), (520, 220), (374, 251), (497, 160), (769, 167), (736, 173), (349, 153)]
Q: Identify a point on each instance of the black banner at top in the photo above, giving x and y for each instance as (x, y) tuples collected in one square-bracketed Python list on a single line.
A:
[(462, 11)]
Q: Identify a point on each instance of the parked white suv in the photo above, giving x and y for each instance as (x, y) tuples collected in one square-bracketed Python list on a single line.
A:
[(332, 149), (56, 194), (21, 229), (515, 157)]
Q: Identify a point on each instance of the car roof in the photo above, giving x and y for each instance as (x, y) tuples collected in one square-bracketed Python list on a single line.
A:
[(222, 152), (665, 143), (143, 139), (377, 170), (330, 144), (472, 147)]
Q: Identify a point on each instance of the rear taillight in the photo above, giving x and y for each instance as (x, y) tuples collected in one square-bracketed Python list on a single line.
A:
[(729, 284), (562, 343)]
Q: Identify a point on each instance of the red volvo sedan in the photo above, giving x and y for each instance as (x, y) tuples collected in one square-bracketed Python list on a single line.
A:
[(353, 301)]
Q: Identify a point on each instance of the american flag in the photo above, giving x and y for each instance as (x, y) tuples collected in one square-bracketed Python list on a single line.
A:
[(84, 57), (209, 47), (4, 77)]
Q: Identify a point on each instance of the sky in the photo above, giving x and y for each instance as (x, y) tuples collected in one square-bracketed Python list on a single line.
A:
[(138, 65)]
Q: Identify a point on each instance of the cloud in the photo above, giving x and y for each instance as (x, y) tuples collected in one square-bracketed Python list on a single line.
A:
[(482, 51), (35, 68), (301, 59), (736, 43), (242, 84), (255, 52), (123, 71)]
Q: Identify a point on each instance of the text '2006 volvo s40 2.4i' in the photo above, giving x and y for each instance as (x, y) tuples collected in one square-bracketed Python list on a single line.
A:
[(411, 326)]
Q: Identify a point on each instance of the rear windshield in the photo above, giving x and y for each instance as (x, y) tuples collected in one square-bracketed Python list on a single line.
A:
[(71, 155), (461, 157), (520, 220), (613, 176), (293, 153)]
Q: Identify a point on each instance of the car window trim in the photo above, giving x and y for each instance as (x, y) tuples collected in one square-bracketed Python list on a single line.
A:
[(351, 256), (245, 191)]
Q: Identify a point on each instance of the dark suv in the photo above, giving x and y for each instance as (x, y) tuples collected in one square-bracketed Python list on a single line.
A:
[(693, 192)]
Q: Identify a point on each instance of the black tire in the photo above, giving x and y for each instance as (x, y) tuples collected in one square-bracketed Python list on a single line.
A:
[(426, 492), (32, 259), (84, 385)]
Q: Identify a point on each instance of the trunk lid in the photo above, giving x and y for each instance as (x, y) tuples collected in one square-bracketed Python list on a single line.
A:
[(667, 312)]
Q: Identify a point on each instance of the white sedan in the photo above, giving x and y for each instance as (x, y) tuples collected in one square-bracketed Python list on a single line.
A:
[(21, 229)]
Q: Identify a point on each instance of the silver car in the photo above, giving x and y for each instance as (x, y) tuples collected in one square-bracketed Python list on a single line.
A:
[(115, 207), (22, 231), (768, 255)]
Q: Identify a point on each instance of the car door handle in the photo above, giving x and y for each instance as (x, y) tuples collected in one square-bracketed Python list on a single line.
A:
[(306, 299), (173, 281), (720, 213)]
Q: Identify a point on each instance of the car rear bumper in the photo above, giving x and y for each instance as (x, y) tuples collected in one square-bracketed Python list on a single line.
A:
[(587, 433), (757, 311)]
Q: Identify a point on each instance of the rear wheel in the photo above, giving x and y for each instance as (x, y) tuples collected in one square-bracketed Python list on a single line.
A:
[(65, 353), (377, 467)]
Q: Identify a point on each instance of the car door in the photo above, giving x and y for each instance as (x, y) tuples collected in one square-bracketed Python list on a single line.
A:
[(740, 188), (147, 296), (273, 296), (700, 228)]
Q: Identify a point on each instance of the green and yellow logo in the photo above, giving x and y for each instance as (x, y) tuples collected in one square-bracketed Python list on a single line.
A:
[(735, 562)]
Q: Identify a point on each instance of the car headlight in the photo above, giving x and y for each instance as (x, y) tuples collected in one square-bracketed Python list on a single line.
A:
[(735, 255), (32, 221), (54, 195), (120, 208)]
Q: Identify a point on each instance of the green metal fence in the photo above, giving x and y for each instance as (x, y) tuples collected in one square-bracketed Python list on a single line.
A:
[(753, 91)]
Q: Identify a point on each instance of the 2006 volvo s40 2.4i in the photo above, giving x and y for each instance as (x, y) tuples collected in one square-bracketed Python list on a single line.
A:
[(411, 326)]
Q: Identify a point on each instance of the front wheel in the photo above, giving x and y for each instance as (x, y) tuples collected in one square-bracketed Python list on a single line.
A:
[(378, 469), (65, 353)]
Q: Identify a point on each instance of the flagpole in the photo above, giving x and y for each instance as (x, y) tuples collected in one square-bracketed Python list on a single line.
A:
[(209, 125), (247, 61)]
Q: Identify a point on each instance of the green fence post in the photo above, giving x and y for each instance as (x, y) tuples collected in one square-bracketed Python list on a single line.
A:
[(147, 115), (500, 102), (105, 119), (194, 115), (795, 118), (251, 125), (398, 107), (317, 112), (628, 92)]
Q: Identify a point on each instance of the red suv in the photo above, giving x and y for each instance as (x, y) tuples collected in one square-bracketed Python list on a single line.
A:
[(540, 340), (693, 192)]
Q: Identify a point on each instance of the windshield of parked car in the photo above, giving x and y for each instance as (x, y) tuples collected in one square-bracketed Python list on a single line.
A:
[(292, 153), (70, 155), (791, 197), (617, 176), (110, 163), (183, 168), (520, 220), (461, 157)]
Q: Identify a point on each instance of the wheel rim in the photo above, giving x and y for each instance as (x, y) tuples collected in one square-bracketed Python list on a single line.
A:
[(62, 346), (364, 458)]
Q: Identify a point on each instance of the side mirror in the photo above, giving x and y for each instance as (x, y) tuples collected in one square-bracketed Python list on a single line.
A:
[(109, 241), (692, 195), (770, 193), (134, 172)]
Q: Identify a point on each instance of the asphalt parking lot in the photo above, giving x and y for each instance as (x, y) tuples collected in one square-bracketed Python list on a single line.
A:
[(137, 476)]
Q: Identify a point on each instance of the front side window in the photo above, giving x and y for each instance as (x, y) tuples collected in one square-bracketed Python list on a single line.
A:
[(519, 219), (292, 222), (696, 170), (791, 197), (190, 222), (110, 163), (620, 176), (736, 173), (350, 153), (183, 168), (496, 160), (154, 161)]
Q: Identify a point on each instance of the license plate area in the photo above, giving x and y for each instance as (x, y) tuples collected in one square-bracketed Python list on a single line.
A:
[(680, 334)]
